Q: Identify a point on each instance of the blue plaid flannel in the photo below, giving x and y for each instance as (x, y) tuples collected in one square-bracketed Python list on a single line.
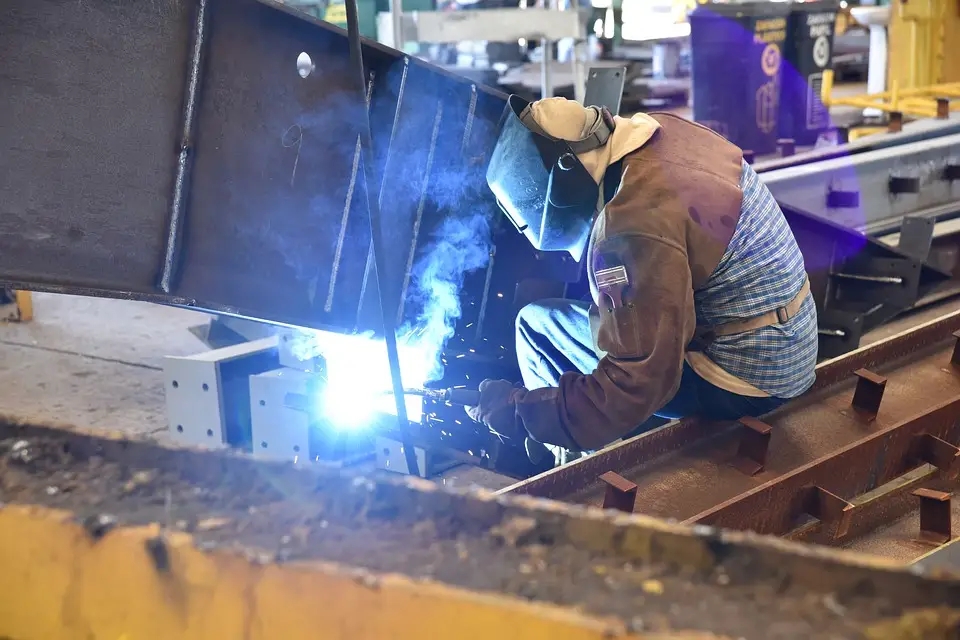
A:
[(762, 269)]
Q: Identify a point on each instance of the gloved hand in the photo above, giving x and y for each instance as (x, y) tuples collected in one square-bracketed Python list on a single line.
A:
[(497, 408)]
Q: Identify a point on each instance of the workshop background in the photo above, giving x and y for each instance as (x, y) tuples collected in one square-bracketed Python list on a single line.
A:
[(228, 227)]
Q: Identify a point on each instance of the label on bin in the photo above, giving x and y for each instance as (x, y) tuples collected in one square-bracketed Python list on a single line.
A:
[(770, 32), (770, 59), (818, 116), (820, 28), (821, 51)]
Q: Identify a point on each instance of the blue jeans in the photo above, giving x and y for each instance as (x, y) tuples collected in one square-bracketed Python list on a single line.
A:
[(554, 337)]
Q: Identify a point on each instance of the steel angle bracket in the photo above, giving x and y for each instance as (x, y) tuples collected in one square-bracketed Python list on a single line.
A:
[(856, 281)]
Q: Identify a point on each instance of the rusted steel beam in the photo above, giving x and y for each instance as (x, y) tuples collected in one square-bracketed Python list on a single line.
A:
[(872, 511), (621, 494), (573, 480), (855, 469), (754, 443), (885, 351)]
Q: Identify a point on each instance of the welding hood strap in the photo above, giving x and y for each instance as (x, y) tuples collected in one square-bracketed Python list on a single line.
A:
[(540, 183)]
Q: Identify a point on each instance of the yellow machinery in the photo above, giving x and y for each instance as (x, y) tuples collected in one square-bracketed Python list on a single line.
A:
[(922, 79), (20, 309)]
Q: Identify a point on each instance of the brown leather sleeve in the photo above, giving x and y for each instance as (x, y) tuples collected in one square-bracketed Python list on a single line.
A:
[(644, 338)]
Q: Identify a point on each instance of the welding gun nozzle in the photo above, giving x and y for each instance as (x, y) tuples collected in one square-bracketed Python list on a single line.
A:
[(463, 397)]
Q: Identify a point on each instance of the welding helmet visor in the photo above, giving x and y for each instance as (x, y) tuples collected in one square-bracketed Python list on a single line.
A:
[(539, 182)]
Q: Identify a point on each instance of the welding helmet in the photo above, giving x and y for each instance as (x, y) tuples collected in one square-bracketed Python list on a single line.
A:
[(539, 182)]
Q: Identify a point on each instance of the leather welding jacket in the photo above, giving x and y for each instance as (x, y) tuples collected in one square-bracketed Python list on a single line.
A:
[(669, 224)]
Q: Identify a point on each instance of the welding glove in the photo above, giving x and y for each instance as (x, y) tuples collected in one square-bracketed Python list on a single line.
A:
[(497, 409)]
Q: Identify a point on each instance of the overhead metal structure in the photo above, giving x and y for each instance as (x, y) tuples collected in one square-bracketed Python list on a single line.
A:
[(171, 151), (865, 461)]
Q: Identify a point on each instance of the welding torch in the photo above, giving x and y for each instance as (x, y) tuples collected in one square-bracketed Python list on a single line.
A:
[(462, 397)]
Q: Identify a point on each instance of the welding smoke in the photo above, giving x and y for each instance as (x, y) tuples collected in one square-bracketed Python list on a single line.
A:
[(357, 371), (422, 160), (460, 245)]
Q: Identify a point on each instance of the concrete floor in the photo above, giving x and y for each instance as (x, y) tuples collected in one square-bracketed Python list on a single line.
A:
[(96, 363), (93, 363)]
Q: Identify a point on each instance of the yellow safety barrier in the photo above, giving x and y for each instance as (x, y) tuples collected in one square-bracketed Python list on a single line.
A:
[(930, 101), (59, 583)]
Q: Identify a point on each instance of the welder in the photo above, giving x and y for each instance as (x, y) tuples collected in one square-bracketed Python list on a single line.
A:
[(701, 304)]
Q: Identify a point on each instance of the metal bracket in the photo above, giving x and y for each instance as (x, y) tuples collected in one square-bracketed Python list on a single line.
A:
[(280, 431), (829, 508), (940, 453), (916, 237), (840, 331), (892, 282), (605, 88), (391, 457), (208, 395), (955, 356), (868, 394), (935, 516), (620, 494), (751, 455)]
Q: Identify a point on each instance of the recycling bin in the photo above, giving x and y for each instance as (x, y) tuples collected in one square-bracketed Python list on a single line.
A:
[(736, 60), (807, 54)]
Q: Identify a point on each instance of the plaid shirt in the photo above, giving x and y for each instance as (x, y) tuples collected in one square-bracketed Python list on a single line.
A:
[(762, 269)]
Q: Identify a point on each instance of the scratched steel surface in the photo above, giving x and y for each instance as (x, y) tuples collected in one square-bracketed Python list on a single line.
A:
[(680, 480), (92, 98)]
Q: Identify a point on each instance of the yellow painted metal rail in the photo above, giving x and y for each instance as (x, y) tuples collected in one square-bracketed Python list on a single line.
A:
[(65, 577), (931, 101)]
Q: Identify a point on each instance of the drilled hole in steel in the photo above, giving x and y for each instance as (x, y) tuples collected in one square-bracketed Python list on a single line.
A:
[(305, 64), (210, 432), (263, 444), (263, 403), (386, 452), (179, 428), (175, 384), (206, 387), (296, 448)]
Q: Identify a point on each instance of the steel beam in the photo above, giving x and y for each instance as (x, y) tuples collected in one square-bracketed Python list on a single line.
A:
[(889, 182), (774, 507), (699, 452), (188, 162)]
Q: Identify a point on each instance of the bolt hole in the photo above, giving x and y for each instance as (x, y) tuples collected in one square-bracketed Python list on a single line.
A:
[(296, 448), (263, 444), (210, 433), (179, 428), (175, 384), (386, 452), (305, 64), (263, 403), (206, 387)]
